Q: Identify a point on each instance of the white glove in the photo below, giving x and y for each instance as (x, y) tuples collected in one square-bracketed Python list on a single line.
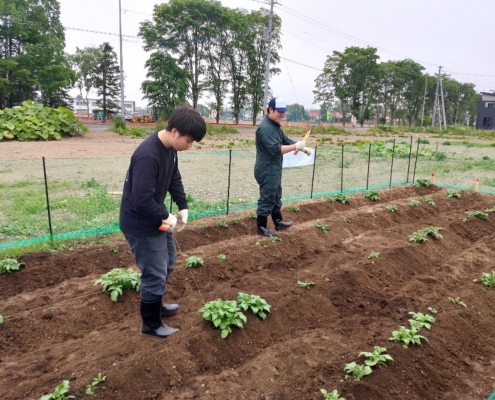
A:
[(307, 151), (181, 219), (171, 221), (300, 145)]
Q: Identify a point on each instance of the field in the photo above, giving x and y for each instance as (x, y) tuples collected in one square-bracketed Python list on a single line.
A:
[(58, 326)]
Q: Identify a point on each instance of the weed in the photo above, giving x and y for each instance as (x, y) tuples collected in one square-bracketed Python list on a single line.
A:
[(433, 310), (372, 195), (487, 279), (60, 393), (255, 303), (391, 208), (117, 279), (356, 370), (333, 395), (420, 320), (414, 203), (321, 225), (458, 301), (340, 197), (9, 265), (305, 285), (422, 182), (373, 255), (452, 194), (194, 262), (478, 214), (222, 223), (346, 220), (261, 244), (90, 389), (406, 337), (378, 356), (223, 314), (292, 207)]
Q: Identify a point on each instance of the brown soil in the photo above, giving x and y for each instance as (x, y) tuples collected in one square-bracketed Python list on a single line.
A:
[(59, 326)]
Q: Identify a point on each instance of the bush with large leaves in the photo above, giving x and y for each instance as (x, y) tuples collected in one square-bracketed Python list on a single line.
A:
[(31, 121)]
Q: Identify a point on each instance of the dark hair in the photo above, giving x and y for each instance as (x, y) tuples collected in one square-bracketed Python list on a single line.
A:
[(188, 122)]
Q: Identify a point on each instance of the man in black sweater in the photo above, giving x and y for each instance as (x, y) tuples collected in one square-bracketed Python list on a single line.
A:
[(143, 215)]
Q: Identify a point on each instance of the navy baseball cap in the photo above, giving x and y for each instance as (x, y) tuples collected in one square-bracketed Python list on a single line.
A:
[(279, 104)]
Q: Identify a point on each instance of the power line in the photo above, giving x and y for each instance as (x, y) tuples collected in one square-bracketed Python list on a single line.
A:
[(137, 12), (100, 32), (304, 65)]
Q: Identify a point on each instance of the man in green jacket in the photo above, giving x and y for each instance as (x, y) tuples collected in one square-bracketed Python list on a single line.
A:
[(271, 145)]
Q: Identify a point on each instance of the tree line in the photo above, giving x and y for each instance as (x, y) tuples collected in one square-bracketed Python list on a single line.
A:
[(201, 49)]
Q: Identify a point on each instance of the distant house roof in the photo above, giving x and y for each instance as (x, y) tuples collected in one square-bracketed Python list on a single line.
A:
[(489, 93)]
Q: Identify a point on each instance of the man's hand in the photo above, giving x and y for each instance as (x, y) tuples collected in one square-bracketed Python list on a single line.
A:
[(169, 223), (181, 219), (307, 151), (300, 145)]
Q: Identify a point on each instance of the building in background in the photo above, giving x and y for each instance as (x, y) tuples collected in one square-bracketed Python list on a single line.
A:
[(79, 106), (486, 111)]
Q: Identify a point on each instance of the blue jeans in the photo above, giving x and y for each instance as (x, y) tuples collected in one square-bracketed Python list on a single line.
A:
[(155, 257)]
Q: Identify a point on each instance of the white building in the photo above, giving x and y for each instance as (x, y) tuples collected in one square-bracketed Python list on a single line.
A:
[(79, 106)]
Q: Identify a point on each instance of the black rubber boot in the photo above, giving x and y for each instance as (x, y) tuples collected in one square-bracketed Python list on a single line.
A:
[(262, 229), (169, 309), (280, 224), (152, 323)]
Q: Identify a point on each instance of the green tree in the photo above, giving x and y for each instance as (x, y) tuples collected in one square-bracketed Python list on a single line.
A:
[(167, 85), (84, 63), (107, 79)]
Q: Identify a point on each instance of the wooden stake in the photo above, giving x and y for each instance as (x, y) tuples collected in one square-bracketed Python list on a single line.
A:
[(477, 184), (432, 180)]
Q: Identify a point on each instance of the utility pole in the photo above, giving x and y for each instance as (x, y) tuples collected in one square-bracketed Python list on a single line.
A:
[(268, 54), (122, 109), (424, 99), (439, 96)]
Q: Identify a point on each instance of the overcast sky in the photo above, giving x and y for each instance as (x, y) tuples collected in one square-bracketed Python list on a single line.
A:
[(459, 35)]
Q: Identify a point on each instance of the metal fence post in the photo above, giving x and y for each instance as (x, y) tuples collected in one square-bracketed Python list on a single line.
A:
[(392, 165), (47, 201), (409, 161), (416, 162), (313, 178), (368, 174), (342, 171), (228, 184)]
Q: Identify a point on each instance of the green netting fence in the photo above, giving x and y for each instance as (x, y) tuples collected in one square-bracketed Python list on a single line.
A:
[(84, 193)]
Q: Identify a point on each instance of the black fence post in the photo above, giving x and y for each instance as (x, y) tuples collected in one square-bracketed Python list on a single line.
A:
[(228, 185), (368, 174), (416, 162), (47, 201), (313, 178), (342, 172), (409, 161), (392, 165)]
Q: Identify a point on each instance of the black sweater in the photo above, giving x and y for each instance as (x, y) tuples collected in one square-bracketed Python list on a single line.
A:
[(153, 172)]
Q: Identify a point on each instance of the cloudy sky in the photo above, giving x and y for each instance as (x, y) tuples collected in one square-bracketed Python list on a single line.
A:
[(459, 35)]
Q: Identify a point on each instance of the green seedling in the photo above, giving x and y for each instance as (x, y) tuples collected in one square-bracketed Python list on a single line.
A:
[(346, 220), (223, 314), (221, 257), (327, 279), (451, 194), (372, 195), (194, 262), (478, 214), (222, 223), (262, 245), (9, 265), (1, 320), (374, 254), (237, 221), (292, 207), (60, 393), (429, 201), (463, 219), (391, 208), (252, 215), (487, 279), (90, 389), (406, 337), (340, 197), (378, 356), (114, 250), (117, 279), (255, 303), (333, 395), (356, 370), (433, 310), (274, 239), (305, 285), (458, 301), (420, 320), (373, 215), (414, 203), (422, 182), (321, 225)]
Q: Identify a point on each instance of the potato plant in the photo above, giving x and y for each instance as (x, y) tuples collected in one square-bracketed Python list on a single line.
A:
[(305, 285), (422, 182), (117, 279), (90, 389), (374, 254), (428, 200), (9, 265), (414, 203), (478, 214), (1, 320), (357, 370), (372, 195), (255, 303), (194, 262), (420, 236), (458, 301), (222, 257), (407, 337), (487, 279), (60, 392), (333, 395), (223, 314), (292, 207), (377, 356), (420, 320), (340, 197), (391, 208), (321, 225), (222, 223), (452, 194)]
